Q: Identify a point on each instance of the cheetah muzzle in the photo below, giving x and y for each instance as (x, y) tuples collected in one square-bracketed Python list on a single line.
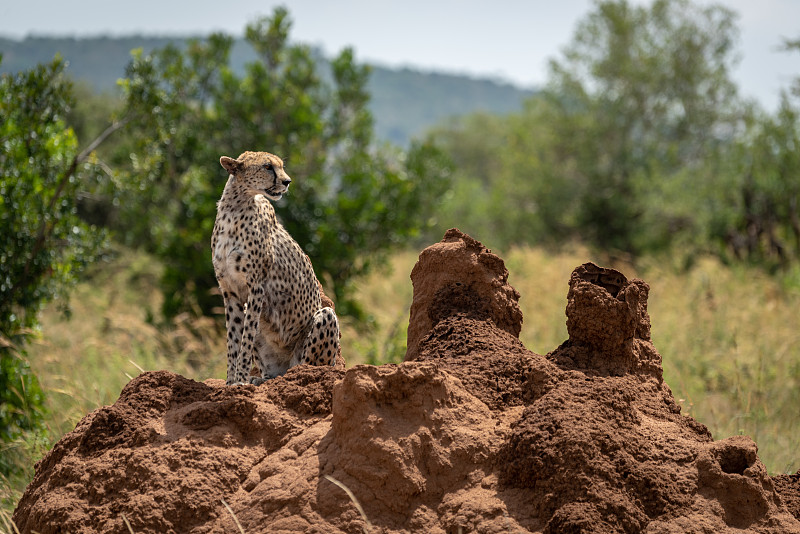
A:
[(273, 306)]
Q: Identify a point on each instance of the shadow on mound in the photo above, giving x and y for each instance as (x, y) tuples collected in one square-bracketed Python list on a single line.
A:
[(473, 433)]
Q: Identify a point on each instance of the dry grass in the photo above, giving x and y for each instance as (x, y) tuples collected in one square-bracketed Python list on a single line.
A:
[(352, 497), (730, 340), (83, 362), (235, 519), (386, 295), (729, 337), (7, 526)]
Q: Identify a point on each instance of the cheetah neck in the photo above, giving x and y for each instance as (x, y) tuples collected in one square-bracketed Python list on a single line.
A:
[(240, 194)]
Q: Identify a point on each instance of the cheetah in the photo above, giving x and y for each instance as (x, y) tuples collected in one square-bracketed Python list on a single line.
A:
[(273, 307)]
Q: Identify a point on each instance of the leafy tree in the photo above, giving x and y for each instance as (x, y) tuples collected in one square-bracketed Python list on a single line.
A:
[(501, 168), (793, 45), (618, 147), (473, 143), (759, 219), (43, 244), (642, 95), (350, 202)]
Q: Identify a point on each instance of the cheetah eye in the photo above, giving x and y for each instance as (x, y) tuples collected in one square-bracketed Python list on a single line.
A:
[(268, 166)]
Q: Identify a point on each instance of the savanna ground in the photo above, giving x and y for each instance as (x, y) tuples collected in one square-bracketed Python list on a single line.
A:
[(729, 338)]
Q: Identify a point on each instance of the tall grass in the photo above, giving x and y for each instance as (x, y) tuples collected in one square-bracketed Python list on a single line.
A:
[(730, 340), (729, 337), (110, 336), (386, 296)]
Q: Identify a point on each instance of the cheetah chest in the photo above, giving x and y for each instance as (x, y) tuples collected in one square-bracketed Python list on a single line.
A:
[(242, 245), (231, 265)]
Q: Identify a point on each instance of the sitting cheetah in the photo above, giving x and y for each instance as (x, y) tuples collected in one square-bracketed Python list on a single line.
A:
[(273, 308)]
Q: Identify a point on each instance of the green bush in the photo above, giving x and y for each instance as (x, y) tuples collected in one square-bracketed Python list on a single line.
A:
[(43, 243), (21, 405)]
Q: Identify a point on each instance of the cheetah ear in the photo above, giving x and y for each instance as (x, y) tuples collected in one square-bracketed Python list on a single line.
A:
[(231, 165)]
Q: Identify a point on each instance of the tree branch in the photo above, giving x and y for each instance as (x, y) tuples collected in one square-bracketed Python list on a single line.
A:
[(44, 228)]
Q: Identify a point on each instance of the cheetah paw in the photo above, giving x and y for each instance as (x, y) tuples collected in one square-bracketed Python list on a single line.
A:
[(257, 380)]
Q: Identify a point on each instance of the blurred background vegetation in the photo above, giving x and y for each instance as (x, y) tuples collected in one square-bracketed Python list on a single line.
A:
[(638, 153)]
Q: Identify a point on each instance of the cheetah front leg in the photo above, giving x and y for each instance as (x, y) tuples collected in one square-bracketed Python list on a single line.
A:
[(252, 316), (322, 343), (234, 317)]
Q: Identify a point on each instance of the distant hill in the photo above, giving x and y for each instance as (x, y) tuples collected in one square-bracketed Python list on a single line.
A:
[(405, 102)]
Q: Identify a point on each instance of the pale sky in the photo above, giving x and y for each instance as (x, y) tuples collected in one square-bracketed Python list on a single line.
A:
[(509, 40)]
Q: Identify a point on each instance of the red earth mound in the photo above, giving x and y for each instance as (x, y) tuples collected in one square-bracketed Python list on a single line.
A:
[(473, 433)]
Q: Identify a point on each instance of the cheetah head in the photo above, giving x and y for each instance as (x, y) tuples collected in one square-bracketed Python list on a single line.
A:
[(261, 173)]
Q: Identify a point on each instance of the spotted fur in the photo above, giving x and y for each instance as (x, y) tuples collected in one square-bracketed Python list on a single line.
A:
[(273, 307)]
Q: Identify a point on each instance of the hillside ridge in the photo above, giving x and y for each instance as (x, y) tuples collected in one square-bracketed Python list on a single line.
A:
[(405, 101)]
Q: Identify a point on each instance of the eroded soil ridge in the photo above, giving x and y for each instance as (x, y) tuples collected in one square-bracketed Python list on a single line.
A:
[(473, 433)]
